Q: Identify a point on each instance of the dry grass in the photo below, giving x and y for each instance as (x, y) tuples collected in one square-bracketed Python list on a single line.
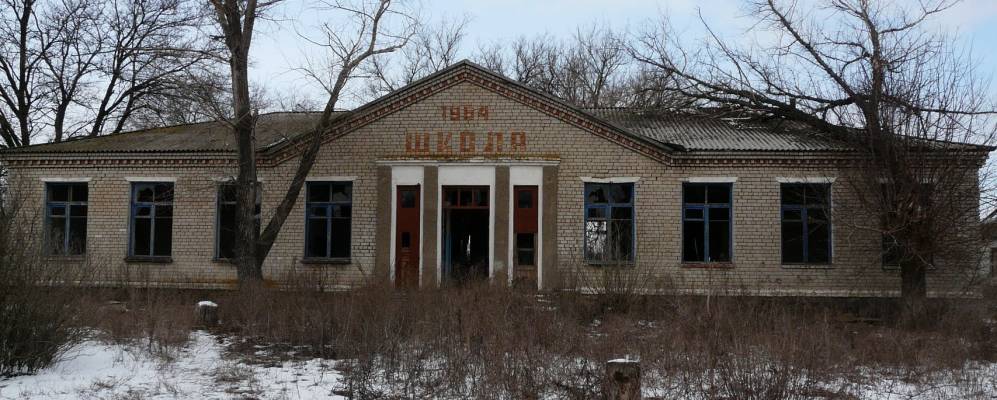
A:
[(487, 342)]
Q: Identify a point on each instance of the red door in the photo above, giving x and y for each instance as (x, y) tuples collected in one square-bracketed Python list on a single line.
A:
[(407, 237), (525, 224)]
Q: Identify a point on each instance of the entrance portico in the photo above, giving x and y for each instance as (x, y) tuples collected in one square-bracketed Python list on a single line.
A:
[(469, 221)]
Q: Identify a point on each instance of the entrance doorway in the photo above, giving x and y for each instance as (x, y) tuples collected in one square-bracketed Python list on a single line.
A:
[(465, 234), (407, 237), (525, 227)]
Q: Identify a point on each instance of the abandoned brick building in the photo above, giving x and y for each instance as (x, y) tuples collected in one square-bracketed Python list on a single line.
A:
[(466, 175)]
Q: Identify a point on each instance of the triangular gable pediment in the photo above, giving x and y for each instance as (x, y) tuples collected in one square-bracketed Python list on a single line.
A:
[(467, 72)]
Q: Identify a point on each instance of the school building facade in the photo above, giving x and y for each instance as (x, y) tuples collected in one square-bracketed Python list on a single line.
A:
[(467, 176)]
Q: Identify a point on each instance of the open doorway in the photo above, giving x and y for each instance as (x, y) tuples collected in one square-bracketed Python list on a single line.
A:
[(465, 234)]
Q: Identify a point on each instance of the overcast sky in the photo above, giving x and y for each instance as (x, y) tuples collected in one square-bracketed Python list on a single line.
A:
[(279, 47)]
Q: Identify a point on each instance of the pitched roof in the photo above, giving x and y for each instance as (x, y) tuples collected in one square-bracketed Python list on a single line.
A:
[(708, 133), (665, 131), (211, 136)]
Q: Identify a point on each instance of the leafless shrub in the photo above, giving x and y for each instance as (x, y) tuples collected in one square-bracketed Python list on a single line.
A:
[(37, 311)]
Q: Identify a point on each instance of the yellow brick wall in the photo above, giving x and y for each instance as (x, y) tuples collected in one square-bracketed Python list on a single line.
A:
[(855, 269)]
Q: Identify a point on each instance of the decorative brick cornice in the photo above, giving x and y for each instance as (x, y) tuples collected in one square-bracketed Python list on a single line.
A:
[(63, 162), (771, 160)]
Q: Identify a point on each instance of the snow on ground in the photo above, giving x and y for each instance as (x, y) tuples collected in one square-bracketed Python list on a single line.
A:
[(201, 370), (95, 370)]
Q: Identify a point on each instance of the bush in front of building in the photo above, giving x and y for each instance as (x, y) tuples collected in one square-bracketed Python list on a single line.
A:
[(37, 313)]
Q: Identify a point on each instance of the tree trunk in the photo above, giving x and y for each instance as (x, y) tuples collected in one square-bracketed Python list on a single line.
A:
[(913, 292), (249, 270)]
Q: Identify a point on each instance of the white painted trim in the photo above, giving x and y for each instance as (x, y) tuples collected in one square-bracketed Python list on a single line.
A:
[(68, 180), (532, 176), (710, 179), (471, 162), (330, 179), (150, 179), (406, 176), (458, 174), (618, 179), (807, 179)]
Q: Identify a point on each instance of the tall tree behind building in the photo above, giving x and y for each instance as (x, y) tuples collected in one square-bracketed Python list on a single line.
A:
[(874, 77), (84, 67)]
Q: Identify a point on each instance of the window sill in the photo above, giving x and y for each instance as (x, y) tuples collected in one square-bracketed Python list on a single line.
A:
[(708, 265), (896, 268), (610, 263), (149, 260), (223, 260), (64, 257), (807, 266), (326, 261)]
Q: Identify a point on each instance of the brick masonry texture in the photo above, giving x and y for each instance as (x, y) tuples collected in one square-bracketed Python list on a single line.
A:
[(757, 269)]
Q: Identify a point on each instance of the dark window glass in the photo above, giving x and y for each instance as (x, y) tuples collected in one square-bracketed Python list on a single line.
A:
[(451, 196), (806, 223), (66, 218), (693, 245), (481, 197), (152, 219), (318, 233), (595, 193), (58, 192), (225, 234), (525, 199), (706, 223), (408, 199), (142, 236), (609, 224), (342, 192), (329, 218), (164, 236), (525, 249)]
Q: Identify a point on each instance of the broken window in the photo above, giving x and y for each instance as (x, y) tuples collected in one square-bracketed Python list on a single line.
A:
[(66, 218), (609, 222), (806, 223), (152, 219), (226, 233), (329, 208), (706, 222)]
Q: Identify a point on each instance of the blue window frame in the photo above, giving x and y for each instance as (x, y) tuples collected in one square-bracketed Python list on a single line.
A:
[(225, 225), (806, 223), (66, 218), (151, 220), (328, 220), (609, 223), (706, 222)]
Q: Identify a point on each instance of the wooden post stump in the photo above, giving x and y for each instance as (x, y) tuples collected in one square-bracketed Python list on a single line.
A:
[(622, 380), (206, 314)]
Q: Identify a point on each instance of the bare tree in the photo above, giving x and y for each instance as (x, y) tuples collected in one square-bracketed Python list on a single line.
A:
[(71, 59), (147, 43), (592, 69), (871, 76), (432, 48), (373, 30), (197, 94), (23, 40), (75, 67), (595, 68)]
